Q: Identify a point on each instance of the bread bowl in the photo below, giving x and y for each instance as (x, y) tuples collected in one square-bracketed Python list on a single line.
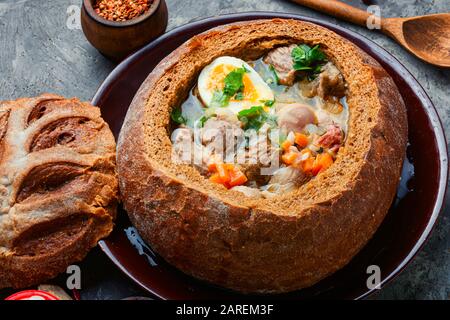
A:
[(265, 245), (58, 186)]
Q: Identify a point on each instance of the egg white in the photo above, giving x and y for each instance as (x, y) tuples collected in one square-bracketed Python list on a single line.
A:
[(262, 91)]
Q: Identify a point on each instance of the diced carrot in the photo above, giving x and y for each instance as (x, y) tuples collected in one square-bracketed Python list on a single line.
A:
[(301, 140), (215, 178), (316, 168), (326, 161), (306, 151), (307, 165), (229, 166), (286, 145), (323, 161), (289, 157), (237, 178), (212, 167), (226, 174), (223, 173)]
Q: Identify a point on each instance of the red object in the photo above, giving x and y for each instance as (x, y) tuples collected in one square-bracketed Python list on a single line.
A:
[(76, 294), (32, 295), (121, 10), (332, 138)]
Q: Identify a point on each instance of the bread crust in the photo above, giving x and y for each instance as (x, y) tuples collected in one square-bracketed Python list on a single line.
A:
[(58, 186), (262, 246)]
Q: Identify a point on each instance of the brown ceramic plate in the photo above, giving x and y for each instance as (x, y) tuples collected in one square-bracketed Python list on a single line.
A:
[(402, 234)]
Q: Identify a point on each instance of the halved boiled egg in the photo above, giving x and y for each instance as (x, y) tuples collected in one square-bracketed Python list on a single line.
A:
[(212, 81)]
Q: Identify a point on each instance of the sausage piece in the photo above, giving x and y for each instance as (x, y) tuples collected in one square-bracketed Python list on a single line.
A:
[(281, 60)]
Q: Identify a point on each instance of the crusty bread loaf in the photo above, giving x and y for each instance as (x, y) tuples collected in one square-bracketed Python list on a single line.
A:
[(58, 186), (266, 245)]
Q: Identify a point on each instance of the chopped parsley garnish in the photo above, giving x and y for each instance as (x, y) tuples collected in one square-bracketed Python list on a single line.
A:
[(276, 79), (308, 59), (234, 82), (234, 85), (268, 103), (205, 118), (239, 96), (177, 116), (220, 99), (202, 121), (255, 117)]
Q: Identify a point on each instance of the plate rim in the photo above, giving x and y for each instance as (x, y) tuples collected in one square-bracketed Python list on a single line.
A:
[(426, 102)]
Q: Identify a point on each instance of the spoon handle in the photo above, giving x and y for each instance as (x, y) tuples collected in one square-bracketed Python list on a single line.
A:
[(337, 9)]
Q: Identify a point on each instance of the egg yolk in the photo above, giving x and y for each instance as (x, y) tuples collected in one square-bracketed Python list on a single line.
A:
[(249, 92), (217, 76), (216, 82)]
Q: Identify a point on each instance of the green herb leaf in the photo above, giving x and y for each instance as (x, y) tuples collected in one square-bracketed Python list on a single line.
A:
[(255, 117), (233, 82), (253, 111), (202, 121), (220, 99), (275, 74), (234, 85), (239, 96), (304, 69), (177, 116), (268, 103), (299, 53), (315, 54), (308, 59)]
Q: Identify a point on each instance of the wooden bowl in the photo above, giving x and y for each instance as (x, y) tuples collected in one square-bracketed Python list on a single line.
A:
[(118, 39)]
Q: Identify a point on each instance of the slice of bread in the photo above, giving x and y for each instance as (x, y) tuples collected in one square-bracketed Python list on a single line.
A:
[(262, 245), (58, 186)]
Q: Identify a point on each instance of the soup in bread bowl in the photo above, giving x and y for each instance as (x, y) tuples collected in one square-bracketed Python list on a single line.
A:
[(262, 156)]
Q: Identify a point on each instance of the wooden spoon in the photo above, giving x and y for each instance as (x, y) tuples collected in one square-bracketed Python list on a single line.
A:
[(427, 37)]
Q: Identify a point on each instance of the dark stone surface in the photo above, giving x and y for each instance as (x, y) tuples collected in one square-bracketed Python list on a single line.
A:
[(41, 51)]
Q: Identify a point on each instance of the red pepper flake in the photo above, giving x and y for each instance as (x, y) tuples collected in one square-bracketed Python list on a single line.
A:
[(121, 10)]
